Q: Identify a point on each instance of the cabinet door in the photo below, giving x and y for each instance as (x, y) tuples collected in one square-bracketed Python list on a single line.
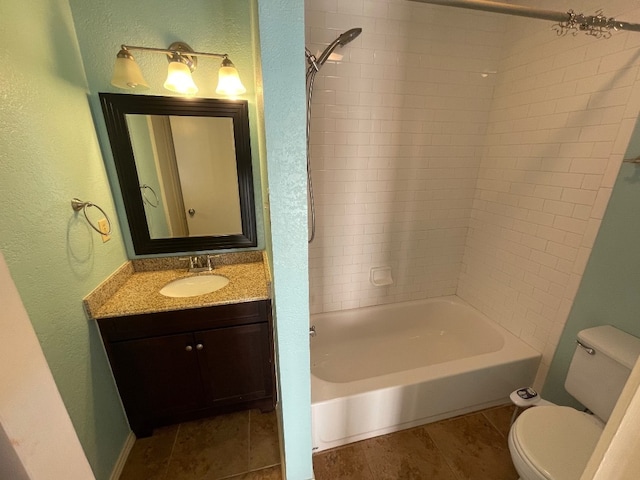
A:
[(157, 376), (235, 363)]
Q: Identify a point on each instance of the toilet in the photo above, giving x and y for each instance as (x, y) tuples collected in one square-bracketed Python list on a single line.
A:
[(552, 442)]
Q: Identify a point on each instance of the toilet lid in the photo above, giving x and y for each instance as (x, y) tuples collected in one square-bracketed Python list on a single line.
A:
[(557, 441)]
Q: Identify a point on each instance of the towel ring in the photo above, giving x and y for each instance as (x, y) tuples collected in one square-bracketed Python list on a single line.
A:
[(78, 205), (143, 189)]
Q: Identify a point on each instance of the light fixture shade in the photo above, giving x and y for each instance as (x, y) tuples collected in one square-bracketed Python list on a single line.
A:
[(228, 80), (127, 74), (179, 79)]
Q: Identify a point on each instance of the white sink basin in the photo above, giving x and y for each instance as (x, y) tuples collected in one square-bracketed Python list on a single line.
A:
[(192, 286)]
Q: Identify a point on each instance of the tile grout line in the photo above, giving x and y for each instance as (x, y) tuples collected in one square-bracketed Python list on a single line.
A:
[(248, 469), (372, 471), (175, 440), (445, 458), (248, 443), (493, 425)]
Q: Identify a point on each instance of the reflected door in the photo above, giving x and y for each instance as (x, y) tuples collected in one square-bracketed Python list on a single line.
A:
[(209, 188)]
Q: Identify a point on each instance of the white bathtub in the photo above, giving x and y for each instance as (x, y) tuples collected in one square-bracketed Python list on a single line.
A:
[(381, 369)]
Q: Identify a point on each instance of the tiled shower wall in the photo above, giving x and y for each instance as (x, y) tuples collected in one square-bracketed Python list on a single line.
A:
[(561, 118), (474, 153), (396, 139)]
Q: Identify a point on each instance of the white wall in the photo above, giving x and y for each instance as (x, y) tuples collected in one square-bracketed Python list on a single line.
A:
[(37, 439), (395, 146), (561, 118)]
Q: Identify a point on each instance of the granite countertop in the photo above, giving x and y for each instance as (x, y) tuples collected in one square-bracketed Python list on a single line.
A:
[(138, 292)]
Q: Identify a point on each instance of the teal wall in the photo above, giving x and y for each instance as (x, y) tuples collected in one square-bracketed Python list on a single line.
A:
[(218, 26), (608, 293), (147, 172), (281, 25), (50, 154)]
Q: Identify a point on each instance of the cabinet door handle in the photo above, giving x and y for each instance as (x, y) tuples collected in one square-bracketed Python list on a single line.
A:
[(188, 348), (199, 346)]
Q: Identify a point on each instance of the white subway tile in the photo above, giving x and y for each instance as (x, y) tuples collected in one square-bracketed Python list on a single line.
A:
[(593, 182), (611, 173), (396, 154), (562, 251), (570, 224), (601, 202), (574, 195), (591, 232)]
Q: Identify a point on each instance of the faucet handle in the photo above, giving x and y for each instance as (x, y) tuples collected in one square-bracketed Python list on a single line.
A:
[(184, 259), (211, 258)]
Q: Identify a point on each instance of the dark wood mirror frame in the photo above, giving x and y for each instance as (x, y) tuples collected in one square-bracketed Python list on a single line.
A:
[(115, 108)]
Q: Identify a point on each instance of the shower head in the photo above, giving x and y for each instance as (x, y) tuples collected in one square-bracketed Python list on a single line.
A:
[(348, 36), (342, 40)]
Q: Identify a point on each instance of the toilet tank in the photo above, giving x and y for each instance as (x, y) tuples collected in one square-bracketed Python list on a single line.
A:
[(596, 379)]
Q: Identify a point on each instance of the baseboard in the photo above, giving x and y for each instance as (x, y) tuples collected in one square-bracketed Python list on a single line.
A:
[(122, 458)]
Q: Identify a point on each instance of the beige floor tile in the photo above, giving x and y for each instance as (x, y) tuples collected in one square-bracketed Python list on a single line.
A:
[(239, 445), (271, 473), (212, 448), (264, 447), (500, 417), (406, 455), (343, 463), (474, 449), (149, 457)]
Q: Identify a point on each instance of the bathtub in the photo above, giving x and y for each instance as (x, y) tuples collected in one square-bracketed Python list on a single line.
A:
[(380, 369)]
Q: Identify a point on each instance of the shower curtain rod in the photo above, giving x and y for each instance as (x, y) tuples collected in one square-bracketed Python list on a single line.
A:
[(597, 25)]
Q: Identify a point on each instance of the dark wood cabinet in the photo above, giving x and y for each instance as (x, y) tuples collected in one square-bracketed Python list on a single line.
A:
[(187, 364)]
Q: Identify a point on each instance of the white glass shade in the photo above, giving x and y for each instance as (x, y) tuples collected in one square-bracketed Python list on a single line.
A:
[(179, 79), (127, 74), (229, 81)]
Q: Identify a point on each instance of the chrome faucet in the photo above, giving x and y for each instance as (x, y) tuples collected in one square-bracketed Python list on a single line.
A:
[(200, 263), (312, 331)]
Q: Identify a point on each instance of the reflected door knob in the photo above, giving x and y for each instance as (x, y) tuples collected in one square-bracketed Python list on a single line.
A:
[(192, 212)]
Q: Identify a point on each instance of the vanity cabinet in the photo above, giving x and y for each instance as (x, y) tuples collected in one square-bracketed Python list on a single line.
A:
[(187, 364)]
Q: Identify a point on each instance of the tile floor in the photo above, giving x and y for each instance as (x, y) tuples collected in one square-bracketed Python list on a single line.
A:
[(244, 446), (238, 446), (470, 447)]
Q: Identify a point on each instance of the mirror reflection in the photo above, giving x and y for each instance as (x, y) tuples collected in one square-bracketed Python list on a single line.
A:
[(187, 172), (184, 170)]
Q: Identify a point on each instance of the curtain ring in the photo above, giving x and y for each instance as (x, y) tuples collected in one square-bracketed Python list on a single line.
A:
[(78, 205)]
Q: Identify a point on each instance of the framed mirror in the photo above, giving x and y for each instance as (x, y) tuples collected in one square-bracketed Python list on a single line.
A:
[(184, 169)]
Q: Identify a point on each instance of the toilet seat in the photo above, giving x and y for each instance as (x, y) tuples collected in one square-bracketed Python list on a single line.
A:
[(553, 442)]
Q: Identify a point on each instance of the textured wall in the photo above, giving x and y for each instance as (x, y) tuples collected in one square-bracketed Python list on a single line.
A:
[(561, 118), (281, 33), (50, 154), (395, 146), (220, 26)]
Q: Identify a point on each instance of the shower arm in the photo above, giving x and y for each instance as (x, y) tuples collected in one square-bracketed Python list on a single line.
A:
[(579, 21)]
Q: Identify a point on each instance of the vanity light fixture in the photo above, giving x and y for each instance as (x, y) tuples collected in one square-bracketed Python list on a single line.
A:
[(182, 62), (126, 72)]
